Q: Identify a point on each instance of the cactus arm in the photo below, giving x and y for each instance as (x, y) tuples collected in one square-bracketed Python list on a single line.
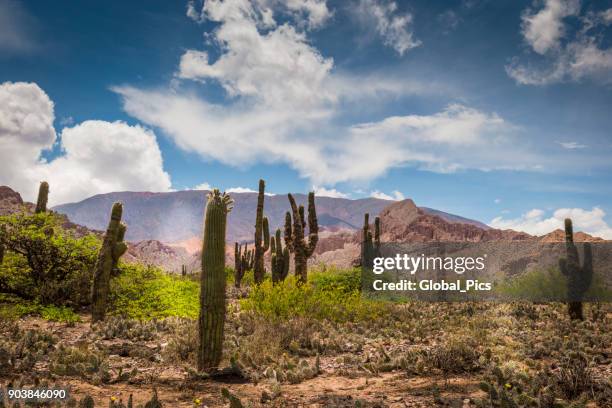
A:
[(286, 261), (302, 219), (298, 230), (288, 232), (313, 226), (266, 235)]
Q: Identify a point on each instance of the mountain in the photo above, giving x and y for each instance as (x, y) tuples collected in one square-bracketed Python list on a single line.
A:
[(177, 216)]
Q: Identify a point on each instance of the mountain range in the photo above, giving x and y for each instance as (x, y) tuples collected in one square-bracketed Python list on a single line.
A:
[(178, 216)]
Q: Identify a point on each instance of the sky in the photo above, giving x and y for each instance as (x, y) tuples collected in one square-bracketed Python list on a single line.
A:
[(493, 110)]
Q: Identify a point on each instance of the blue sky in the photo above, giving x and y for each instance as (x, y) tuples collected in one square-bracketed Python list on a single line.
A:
[(498, 111)]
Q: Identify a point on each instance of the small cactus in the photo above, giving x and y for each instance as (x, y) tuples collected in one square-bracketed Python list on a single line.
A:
[(280, 258), (578, 277), (243, 261), (108, 257), (183, 270), (370, 247), (262, 236), (43, 197), (295, 235), (212, 281)]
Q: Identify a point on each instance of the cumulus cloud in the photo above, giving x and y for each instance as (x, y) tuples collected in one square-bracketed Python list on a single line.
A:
[(395, 195), (96, 156), (566, 56), (393, 27), (202, 186), (285, 103), (329, 192), (535, 222)]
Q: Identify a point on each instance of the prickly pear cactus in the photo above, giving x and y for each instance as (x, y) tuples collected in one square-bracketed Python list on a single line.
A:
[(212, 283)]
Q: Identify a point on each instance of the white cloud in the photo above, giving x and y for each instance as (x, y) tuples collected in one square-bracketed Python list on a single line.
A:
[(202, 186), (395, 195), (96, 156), (572, 145), (535, 222), (309, 13), (566, 57), (240, 190), (497, 200), (285, 102), (393, 27), (544, 29), (329, 192)]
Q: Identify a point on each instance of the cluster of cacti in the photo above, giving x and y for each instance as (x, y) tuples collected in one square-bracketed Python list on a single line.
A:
[(280, 258), (111, 250), (262, 236), (212, 281), (43, 197), (578, 277), (295, 235), (244, 260), (370, 247)]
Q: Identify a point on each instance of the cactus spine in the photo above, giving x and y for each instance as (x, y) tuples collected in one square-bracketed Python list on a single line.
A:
[(43, 196), (370, 247), (295, 236), (108, 257), (262, 236), (578, 277), (280, 258), (243, 261), (212, 281)]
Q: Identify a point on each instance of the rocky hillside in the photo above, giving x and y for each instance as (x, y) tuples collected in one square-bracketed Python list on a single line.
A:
[(177, 216), (148, 252), (403, 221)]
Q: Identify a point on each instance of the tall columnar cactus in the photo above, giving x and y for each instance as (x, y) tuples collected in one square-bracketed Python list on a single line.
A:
[(212, 281), (370, 247), (108, 257), (295, 238), (262, 235), (243, 261), (43, 197), (280, 258), (578, 277)]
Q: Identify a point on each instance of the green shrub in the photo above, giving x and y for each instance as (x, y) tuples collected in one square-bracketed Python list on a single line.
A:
[(335, 297), (146, 293), (548, 286), (44, 262), (59, 314)]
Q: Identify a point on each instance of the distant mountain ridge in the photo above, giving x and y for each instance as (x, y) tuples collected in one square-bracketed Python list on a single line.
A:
[(177, 216)]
